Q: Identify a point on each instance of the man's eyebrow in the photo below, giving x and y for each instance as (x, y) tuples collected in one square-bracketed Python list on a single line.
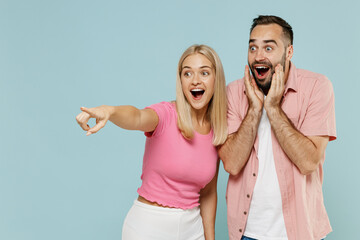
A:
[(270, 41), (265, 41)]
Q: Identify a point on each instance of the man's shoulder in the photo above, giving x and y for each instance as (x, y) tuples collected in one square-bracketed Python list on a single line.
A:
[(308, 80), (237, 84), (309, 75)]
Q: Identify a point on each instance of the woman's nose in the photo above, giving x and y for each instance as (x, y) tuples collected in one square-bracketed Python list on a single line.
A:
[(196, 79)]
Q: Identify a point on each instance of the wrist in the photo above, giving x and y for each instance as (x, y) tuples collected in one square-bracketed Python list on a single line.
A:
[(273, 111), (109, 110), (255, 111), (271, 107)]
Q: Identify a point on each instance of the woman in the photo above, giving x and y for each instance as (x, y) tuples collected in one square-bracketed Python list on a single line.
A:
[(178, 196)]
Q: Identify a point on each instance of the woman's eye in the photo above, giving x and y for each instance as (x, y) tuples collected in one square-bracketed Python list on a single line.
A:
[(187, 74), (205, 73)]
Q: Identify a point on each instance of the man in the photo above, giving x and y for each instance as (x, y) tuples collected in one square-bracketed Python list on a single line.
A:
[(280, 120)]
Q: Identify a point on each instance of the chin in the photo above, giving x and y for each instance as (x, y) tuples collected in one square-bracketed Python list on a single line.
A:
[(264, 85), (199, 106)]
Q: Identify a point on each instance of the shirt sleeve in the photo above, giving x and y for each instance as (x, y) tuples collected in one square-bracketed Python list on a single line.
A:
[(234, 118), (320, 115), (164, 111)]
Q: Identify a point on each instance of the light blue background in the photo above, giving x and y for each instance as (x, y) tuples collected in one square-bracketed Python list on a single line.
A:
[(56, 56)]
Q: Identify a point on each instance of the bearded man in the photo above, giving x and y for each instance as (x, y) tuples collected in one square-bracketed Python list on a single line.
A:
[(280, 120)]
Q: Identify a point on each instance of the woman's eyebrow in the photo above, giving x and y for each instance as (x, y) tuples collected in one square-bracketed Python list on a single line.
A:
[(205, 66)]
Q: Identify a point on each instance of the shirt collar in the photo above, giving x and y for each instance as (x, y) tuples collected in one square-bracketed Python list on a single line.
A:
[(291, 82)]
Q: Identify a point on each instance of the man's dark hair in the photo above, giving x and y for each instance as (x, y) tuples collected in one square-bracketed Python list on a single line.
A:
[(269, 19)]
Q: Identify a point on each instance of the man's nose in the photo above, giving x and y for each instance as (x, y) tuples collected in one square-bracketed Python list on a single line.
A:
[(260, 55)]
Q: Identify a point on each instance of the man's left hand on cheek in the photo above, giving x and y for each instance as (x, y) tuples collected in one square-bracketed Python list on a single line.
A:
[(275, 94)]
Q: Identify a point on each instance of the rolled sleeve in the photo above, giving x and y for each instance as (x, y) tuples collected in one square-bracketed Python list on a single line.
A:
[(235, 93), (320, 114)]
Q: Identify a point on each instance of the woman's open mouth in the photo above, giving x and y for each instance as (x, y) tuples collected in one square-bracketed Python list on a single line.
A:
[(197, 93)]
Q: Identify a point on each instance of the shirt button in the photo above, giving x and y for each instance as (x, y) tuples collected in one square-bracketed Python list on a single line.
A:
[(245, 212), (254, 174), (248, 196), (240, 230)]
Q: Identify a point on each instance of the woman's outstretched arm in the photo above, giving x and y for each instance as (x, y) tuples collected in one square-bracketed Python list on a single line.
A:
[(127, 117)]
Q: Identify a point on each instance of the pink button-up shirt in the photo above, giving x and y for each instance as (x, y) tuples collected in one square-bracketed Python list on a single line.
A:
[(309, 103)]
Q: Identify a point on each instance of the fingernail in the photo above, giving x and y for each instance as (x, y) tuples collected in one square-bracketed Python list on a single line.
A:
[(88, 133)]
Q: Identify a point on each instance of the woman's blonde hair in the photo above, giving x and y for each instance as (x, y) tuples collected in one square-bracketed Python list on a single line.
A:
[(217, 108)]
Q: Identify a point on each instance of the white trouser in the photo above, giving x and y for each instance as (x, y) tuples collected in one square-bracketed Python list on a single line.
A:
[(147, 222)]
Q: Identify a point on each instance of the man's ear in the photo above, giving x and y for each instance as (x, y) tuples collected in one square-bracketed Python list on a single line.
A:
[(289, 52)]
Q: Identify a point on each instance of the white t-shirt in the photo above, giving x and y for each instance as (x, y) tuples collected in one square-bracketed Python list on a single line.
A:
[(266, 220)]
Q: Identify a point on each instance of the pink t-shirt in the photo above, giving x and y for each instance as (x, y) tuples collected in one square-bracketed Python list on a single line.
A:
[(176, 169), (309, 104)]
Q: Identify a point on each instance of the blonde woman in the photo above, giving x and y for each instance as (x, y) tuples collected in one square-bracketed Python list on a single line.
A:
[(178, 195)]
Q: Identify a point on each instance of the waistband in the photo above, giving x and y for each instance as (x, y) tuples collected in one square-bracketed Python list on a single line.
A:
[(164, 209)]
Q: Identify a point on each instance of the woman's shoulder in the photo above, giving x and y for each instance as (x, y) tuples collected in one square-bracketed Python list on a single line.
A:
[(164, 108), (167, 115)]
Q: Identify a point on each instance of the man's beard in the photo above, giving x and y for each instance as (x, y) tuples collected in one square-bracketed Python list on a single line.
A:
[(265, 84)]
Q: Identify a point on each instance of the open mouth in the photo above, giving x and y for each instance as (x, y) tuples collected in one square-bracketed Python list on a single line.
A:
[(262, 71), (197, 93)]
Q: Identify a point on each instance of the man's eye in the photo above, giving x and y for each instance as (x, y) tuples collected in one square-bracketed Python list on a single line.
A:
[(252, 48), (268, 48)]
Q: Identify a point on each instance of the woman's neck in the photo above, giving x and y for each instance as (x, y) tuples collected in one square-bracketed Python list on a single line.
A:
[(200, 120)]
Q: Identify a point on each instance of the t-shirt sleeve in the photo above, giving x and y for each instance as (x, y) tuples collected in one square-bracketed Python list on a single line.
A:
[(164, 111), (320, 115), (234, 118)]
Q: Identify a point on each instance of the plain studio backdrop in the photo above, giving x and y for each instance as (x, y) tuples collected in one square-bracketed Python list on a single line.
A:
[(56, 56)]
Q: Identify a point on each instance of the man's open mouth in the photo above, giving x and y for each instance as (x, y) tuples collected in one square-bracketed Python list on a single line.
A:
[(197, 93), (262, 71)]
